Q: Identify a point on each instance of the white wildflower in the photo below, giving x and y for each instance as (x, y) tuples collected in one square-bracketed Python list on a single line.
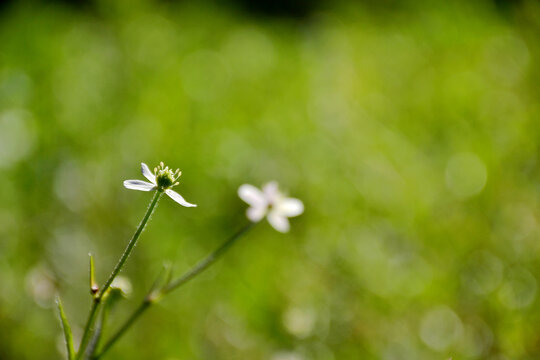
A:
[(163, 179), (270, 203)]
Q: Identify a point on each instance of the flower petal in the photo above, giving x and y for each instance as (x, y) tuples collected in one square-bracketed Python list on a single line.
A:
[(139, 185), (147, 173), (290, 207), (178, 198), (252, 195), (278, 221), (271, 191), (256, 213)]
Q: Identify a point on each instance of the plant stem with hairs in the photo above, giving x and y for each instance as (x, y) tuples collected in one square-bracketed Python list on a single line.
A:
[(154, 295), (98, 297)]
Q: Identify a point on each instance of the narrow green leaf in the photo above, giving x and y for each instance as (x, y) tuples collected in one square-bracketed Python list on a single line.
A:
[(67, 329), (94, 288)]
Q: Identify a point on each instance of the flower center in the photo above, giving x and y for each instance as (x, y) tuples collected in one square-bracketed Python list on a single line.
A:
[(165, 177)]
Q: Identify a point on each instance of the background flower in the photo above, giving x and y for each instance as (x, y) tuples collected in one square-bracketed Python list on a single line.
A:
[(270, 203)]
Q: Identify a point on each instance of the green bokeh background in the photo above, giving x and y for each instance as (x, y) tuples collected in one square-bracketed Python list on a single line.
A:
[(409, 129)]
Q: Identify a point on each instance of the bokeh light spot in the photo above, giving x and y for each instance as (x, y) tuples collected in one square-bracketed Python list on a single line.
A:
[(16, 136), (440, 328), (483, 272), (299, 321), (466, 175), (519, 289)]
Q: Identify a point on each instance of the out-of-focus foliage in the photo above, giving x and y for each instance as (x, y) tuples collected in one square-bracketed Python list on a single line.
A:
[(411, 134)]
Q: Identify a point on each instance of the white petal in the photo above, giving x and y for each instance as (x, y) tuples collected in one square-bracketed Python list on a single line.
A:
[(256, 213), (252, 195), (278, 222), (290, 207), (147, 173), (139, 185), (271, 191), (178, 198)]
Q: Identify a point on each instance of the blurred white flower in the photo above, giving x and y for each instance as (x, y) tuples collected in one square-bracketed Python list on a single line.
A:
[(41, 285), (270, 203), (300, 321), (122, 284), (163, 179)]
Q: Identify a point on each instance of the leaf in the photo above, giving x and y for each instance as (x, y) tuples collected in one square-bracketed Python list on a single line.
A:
[(94, 288), (68, 336)]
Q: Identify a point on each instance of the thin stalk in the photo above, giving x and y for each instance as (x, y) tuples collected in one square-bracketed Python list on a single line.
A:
[(131, 243), (206, 262), (97, 299), (145, 304), (153, 296), (87, 328), (98, 333)]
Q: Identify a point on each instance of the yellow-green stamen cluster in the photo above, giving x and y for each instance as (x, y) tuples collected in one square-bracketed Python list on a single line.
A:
[(165, 177)]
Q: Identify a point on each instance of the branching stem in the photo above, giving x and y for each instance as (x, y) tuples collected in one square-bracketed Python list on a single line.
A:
[(153, 296), (88, 329)]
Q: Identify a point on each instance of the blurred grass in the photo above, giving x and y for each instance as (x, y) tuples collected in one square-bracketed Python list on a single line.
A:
[(410, 134)]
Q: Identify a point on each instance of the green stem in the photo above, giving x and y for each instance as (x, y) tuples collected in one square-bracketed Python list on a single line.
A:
[(88, 327), (97, 299), (100, 327), (131, 243), (152, 297), (206, 262), (145, 304)]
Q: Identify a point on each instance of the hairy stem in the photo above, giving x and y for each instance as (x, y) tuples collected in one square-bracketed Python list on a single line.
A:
[(88, 329), (131, 243), (153, 296)]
